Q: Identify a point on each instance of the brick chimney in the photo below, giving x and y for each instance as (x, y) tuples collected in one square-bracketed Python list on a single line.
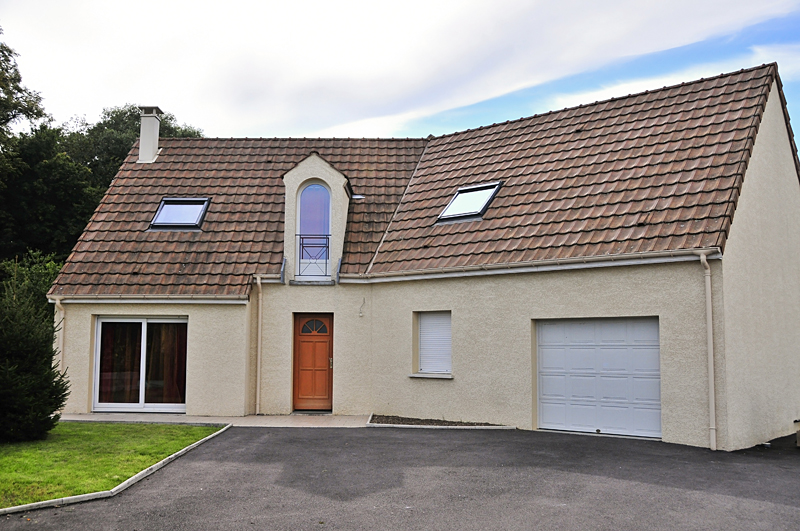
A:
[(148, 138)]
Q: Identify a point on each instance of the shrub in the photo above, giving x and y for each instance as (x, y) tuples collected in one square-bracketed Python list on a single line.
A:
[(32, 389)]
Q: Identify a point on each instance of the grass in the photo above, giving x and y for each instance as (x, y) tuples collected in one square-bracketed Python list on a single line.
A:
[(81, 457)]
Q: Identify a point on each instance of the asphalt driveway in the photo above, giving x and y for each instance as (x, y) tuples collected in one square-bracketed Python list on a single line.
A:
[(384, 478)]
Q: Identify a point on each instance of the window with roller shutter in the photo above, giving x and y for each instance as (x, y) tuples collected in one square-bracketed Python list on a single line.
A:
[(435, 343)]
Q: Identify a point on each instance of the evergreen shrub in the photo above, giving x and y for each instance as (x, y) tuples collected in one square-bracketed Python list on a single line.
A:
[(32, 388)]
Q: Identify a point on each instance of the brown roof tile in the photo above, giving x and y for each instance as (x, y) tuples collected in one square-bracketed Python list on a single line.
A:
[(243, 229), (656, 171)]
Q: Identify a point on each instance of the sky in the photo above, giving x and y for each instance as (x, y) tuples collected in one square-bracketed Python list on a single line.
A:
[(382, 69)]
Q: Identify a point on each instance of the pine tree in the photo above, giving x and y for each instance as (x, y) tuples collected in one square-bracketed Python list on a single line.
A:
[(32, 389)]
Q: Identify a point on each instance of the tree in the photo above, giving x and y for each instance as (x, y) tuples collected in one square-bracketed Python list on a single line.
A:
[(32, 389), (103, 146), (16, 101), (52, 178), (46, 198)]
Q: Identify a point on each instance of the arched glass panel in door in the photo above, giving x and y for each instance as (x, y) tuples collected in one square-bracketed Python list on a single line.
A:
[(314, 326), (313, 238)]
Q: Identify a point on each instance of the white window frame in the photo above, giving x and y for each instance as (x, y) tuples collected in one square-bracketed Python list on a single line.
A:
[(306, 269), (141, 405), (191, 226), (493, 186), (434, 349)]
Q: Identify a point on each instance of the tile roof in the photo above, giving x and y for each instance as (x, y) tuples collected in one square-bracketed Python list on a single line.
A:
[(657, 171), (243, 229)]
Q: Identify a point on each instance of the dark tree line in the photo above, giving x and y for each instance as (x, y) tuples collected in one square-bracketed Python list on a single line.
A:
[(52, 178)]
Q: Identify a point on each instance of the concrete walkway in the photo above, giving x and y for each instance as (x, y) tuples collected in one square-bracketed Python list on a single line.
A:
[(295, 420)]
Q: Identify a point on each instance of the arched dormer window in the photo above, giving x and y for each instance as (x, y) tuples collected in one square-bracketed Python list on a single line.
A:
[(313, 238)]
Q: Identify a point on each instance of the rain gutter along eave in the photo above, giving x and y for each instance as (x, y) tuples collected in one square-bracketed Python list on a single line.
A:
[(591, 262), (149, 299)]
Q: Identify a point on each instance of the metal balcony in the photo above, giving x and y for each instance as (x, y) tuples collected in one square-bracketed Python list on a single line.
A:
[(313, 255)]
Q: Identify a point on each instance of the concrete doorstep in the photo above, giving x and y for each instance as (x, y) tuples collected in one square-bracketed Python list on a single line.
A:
[(295, 420)]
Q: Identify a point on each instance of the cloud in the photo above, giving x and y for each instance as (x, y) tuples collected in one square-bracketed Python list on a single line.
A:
[(359, 67), (787, 56)]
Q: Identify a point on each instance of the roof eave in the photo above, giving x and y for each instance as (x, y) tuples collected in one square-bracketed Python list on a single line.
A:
[(586, 262)]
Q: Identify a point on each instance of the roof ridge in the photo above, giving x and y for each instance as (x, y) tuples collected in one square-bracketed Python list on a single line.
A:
[(297, 138)]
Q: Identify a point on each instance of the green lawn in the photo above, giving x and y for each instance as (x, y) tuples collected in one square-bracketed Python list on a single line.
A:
[(81, 457)]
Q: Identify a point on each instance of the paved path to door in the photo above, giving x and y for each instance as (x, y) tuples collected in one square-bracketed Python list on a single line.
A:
[(295, 420), (300, 478)]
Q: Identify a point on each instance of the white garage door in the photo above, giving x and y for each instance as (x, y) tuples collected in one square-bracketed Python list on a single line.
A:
[(600, 375)]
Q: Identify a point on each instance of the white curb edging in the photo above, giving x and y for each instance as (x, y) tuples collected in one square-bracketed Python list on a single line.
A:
[(116, 490), (423, 426)]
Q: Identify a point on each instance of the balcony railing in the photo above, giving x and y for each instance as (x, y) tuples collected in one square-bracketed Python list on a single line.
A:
[(314, 255)]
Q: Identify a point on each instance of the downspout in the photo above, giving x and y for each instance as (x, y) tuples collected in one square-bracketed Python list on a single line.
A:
[(258, 347), (60, 341), (712, 408)]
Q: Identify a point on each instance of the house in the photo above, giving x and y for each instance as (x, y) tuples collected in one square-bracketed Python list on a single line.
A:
[(625, 267)]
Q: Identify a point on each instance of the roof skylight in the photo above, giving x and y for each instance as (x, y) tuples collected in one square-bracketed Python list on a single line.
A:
[(180, 213), (470, 201)]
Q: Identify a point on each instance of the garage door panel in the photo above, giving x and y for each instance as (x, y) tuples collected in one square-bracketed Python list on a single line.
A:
[(553, 415), (553, 359), (600, 374), (552, 334), (580, 332), (645, 360), (613, 332), (613, 418), (647, 421), (553, 386), (581, 359), (643, 331), (582, 387), (614, 359), (647, 390), (614, 388), (581, 416)]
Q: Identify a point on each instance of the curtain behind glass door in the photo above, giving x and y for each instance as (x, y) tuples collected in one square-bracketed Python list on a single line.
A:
[(120, 359), (165, 374)]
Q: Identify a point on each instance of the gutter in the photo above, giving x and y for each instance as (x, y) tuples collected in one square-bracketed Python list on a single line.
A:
[(150, 299), (659, 257), (258, 346), (60, 341), (712, 407)]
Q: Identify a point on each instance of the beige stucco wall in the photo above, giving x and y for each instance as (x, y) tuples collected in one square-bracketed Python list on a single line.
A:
[(352, 344), (216, 361), (493, 325), (761, 275), (493, 329)]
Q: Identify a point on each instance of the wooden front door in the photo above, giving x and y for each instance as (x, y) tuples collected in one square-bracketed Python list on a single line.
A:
[(313, 361)]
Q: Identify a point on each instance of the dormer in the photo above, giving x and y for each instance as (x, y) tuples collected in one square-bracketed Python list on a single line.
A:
[(317, 199)]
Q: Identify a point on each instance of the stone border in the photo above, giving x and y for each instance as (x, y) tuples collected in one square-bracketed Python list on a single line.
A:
[(69, 500), (425, 427)]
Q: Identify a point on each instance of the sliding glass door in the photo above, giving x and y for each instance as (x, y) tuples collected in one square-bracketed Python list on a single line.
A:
[(140, 365)]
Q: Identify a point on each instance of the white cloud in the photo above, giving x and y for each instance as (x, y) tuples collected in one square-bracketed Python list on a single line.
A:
[(787, 56), (356, 67)]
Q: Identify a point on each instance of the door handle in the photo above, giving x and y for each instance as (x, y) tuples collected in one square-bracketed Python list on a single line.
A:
[(331, 362)]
